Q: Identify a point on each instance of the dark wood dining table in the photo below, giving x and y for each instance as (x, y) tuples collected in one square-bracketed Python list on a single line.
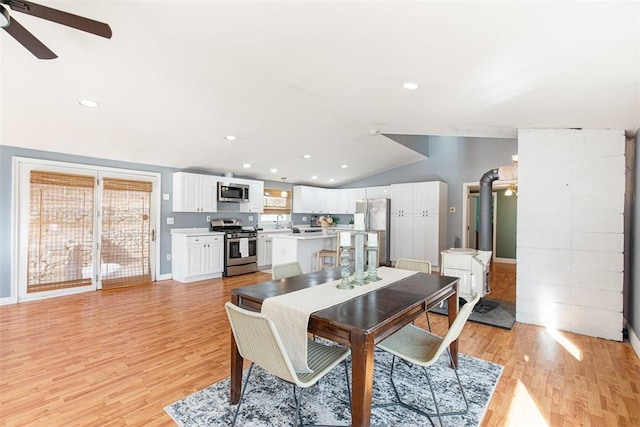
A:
[(359, 323)]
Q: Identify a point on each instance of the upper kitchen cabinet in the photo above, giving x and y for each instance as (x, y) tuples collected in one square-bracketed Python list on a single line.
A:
[(402, 198), (256, 196), (333, 200), (309, 199), (194, 192), (348, 197), (427, 197), (383, 191)]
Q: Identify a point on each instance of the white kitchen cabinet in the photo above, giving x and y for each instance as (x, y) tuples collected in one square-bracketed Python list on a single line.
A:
[(333, 201), (197, 256), (309, 199), (256, 196), (401, 236), (264, 250), (419, 221), (194, 192), (402, 198), (379, 192), (348, 197), (427, 197)]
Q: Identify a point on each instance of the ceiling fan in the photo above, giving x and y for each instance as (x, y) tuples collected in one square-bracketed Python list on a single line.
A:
[(28, 40)]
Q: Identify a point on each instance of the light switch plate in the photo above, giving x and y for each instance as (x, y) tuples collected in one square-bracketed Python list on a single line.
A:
[(169, 220), (304, 218), (208, 218), (165, 196), (250, 217)]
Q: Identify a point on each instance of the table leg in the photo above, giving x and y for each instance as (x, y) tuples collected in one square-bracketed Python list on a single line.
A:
[(362, 350), (453, 313), (236, 366)]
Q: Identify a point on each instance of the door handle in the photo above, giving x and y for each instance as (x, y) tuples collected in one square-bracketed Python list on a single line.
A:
[(153, 235)]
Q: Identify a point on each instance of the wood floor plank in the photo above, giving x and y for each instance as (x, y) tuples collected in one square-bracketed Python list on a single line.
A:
[(117, 357)]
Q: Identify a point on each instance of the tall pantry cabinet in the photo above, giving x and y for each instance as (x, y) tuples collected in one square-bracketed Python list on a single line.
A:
[(419, 221)]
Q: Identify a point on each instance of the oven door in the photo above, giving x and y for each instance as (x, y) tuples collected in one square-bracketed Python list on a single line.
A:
[(242, 251)]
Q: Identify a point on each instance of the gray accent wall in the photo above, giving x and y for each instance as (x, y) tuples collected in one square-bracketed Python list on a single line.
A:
[(454, 160)]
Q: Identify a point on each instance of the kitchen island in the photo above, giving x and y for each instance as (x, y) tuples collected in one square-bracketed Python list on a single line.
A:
[(302, 247)]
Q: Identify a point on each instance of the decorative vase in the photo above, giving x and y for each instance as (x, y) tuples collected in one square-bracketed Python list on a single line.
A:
[(325, 231)]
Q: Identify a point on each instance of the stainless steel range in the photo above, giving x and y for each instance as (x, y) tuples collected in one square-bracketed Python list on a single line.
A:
[(240, 246)]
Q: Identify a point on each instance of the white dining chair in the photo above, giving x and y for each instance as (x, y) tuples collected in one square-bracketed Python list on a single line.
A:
[(423, 348), (282, 271), (420, 265), (257, 340)]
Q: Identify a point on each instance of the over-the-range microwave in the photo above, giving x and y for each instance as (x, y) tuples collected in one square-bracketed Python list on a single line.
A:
[(233, 192)]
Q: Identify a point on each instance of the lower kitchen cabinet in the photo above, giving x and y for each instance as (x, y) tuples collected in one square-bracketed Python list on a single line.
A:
[(197, 256), (264, 250)]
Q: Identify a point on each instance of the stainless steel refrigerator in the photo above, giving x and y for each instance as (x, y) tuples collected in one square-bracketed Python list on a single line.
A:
[(377, 218)]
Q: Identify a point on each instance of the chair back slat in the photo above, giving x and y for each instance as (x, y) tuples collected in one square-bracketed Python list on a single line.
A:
[(282, 271), (458, 324), (422, 266)]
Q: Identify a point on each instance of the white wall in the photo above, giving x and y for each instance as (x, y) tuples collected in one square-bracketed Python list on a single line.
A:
[(570, 230)]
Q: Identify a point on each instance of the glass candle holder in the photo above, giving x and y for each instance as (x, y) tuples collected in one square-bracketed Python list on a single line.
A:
[(344, 263), (359, 276), (372, 270)]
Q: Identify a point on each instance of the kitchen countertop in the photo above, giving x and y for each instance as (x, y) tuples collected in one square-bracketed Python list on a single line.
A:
[(304, 236), (195, 231)]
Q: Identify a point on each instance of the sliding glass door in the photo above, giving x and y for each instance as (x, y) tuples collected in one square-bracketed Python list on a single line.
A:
[(61, 231), (82, 229), (126, 232)]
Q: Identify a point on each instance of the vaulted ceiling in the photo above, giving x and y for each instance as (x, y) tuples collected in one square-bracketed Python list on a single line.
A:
[(324, 78)]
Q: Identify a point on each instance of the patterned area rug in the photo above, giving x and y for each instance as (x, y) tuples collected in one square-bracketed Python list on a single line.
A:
[(269, 401)]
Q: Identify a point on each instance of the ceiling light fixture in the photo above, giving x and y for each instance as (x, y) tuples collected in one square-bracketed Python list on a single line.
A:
[(410, 86), (331, 179), (307, 156), (89, 103), (344, 166), (230, 137), (246, 165), (511, 190), (284, 193), (273, 170)]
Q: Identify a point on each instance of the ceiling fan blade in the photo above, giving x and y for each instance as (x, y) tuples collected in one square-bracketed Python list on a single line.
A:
[(28, 40), (64, 18)]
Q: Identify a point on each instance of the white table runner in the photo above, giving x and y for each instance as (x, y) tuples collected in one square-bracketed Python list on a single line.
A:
[(290, 312)]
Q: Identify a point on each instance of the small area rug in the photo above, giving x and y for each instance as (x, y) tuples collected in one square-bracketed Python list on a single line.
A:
[(269, 401), (502, 316)]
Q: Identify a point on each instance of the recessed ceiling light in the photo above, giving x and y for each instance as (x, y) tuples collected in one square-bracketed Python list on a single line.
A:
[(410, 86), (273, 170), (90, 103), (344, 166), (246, 165), (230, 137), (307, 156), (314, 177), (331, 180)]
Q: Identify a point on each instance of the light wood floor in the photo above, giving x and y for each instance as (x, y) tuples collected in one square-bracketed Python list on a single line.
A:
[(118, 357)]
